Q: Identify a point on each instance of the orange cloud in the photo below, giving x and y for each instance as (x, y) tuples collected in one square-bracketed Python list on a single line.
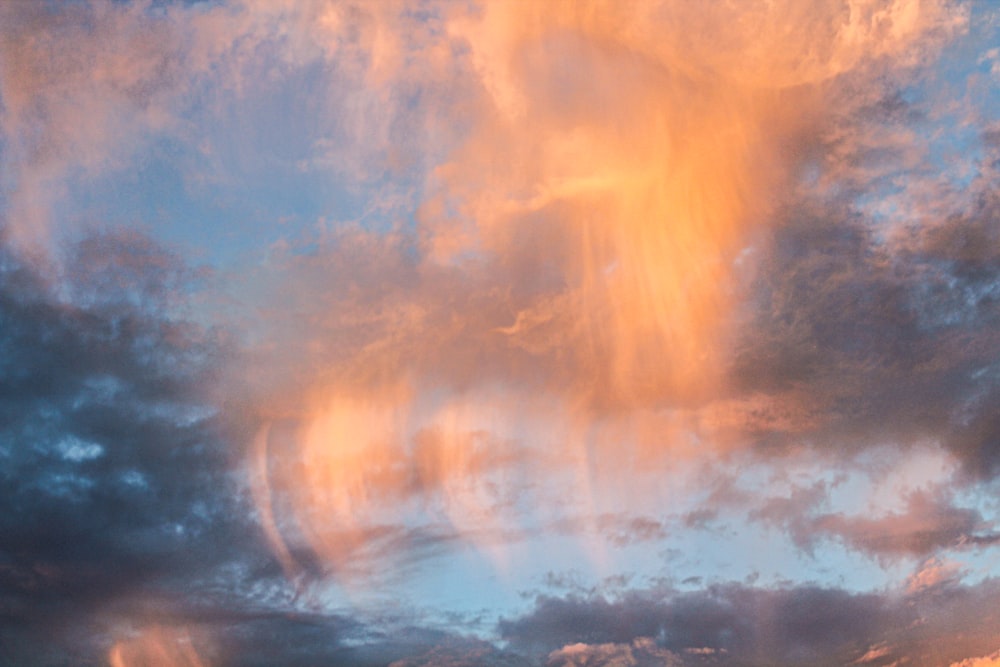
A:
[(581, 247), (160, 646), (991, 660), (638, 653), (932, 573)]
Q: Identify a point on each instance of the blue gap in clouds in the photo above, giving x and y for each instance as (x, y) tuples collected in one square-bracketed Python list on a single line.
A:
[(174, 197)]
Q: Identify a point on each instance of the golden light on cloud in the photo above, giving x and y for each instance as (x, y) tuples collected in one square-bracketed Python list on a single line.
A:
[(992, 660), (616, 161), (645, 142), (364, 462), (499, 332), (157, 646)]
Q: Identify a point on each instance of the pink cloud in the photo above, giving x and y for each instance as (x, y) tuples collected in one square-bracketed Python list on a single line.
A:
[(577, 246), (991, 660)]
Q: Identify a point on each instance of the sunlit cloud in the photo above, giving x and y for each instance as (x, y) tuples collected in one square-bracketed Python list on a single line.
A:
[(644, 172), (562, 333), (984, 661), (169, 647)]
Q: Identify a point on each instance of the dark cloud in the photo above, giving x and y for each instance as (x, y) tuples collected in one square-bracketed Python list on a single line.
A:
[(861, 340), (319, 640), (113, 468), (287, 639), (734, 624), (464, 653)]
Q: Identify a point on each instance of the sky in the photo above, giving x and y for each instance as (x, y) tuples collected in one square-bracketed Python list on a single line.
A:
[(521, 334)]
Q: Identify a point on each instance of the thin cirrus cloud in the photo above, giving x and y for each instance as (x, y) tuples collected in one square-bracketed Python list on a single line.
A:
[(480, 333)]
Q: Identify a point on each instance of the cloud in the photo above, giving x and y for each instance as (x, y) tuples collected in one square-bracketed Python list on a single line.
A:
[(83, 87), (759, 626), (984, 661), (926, 526), (806, 621), (575, 239), (858, 341), (875, 653), (112, 454), (934, 573), (576, 257), (467, 653), (928, 523), (597, 246), (157, 646), (641, 651)]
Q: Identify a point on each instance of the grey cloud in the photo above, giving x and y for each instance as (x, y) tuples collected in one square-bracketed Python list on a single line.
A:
[(464, 653), (734, 624), (114, 467), (865, 341), (928, 524), (931, 521)]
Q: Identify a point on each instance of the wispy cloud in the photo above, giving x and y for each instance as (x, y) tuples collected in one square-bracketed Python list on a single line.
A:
[(302, 303)]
